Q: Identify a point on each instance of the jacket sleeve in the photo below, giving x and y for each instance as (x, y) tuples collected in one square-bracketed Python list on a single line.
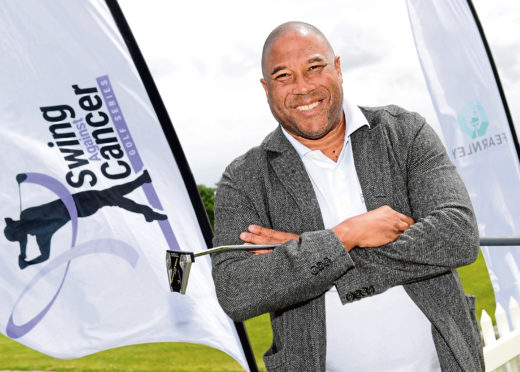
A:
[(444, 236), (247, 284)]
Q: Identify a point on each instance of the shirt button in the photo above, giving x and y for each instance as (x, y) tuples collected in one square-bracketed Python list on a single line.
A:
[(315, 156)]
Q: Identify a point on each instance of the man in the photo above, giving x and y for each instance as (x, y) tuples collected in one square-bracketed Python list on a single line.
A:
[(373, 219)]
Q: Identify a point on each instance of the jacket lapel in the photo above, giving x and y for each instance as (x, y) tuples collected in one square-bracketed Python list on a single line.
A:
[(372, 165), (291, 172)]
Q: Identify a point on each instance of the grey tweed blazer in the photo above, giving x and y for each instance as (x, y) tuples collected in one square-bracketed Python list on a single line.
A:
[(401, 163)]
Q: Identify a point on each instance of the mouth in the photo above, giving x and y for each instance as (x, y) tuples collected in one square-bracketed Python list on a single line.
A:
[(309, 107)]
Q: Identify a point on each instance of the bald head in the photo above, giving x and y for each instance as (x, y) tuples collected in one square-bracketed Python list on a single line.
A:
[(296, 27)]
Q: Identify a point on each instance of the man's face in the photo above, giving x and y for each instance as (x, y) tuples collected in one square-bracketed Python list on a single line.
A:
[(302, 81)]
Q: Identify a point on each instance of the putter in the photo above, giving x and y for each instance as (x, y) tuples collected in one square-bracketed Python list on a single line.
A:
[(178, 263)]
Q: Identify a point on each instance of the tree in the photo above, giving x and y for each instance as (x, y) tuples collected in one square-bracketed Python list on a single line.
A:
[(207, 195)]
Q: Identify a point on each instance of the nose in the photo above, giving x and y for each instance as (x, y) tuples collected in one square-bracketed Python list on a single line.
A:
[(302, 85)]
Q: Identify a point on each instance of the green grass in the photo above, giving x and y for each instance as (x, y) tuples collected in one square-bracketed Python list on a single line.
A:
[(145, 357), (189, 357), (475, 280)]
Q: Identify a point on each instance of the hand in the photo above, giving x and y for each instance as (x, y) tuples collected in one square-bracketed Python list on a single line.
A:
[(263, 235), (372, 229)]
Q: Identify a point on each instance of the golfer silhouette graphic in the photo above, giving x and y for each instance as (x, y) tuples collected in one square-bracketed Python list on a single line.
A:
[(44, 220)]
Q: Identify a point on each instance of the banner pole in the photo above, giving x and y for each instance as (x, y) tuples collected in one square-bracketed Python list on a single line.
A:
[(175, 145), (497, 77)]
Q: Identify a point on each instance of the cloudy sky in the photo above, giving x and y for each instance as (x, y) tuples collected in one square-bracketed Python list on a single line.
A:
[(205, 59)]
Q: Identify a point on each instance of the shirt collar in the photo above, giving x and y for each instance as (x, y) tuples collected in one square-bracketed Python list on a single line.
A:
[(353, 117)]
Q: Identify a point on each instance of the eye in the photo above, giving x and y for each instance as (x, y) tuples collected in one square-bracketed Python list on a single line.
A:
[(316, 67), (282, 76)]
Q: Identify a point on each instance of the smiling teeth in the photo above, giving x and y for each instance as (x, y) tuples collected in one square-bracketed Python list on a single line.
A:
[(308, 107)]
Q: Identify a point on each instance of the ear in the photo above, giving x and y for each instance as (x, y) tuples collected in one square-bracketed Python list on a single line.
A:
[(337, 67), (264, 84)]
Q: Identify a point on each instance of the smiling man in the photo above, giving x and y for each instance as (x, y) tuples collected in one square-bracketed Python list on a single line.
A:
[(372, 219)]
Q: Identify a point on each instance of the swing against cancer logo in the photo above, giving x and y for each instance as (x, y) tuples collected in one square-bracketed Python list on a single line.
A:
[(93, 145)]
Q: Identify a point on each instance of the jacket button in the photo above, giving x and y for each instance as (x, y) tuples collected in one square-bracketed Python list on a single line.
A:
[(364, 291), (350, 296), (327, 261), (315, 270), (371, 290), (358, 294), (319, 265)]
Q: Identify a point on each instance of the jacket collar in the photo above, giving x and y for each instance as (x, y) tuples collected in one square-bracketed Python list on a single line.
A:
[(371, 163), (291, 172), (276, 141)]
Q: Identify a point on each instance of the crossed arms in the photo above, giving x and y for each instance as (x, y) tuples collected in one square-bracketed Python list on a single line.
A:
[(381, 248), (372, 229)]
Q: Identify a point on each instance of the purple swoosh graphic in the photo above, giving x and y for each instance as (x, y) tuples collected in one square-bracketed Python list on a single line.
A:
[(110, 246), (61, 191)]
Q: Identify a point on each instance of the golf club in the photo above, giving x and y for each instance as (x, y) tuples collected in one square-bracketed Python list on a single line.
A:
[(178, 263)]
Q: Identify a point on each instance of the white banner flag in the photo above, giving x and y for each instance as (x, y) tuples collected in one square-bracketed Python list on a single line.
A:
[(91, 194), (467, 100)]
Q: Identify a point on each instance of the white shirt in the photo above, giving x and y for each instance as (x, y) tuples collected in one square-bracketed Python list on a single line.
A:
[(385, 332)]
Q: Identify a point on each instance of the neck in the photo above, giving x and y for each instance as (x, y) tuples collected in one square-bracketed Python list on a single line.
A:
[(330, 144)]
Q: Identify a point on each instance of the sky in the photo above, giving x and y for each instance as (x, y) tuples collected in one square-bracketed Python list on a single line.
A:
[(205, 59)]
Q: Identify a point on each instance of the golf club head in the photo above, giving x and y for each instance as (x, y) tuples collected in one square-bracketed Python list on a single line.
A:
[(178, 265)]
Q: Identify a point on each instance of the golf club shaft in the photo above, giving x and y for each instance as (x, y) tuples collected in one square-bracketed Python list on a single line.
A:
[(236, 248)]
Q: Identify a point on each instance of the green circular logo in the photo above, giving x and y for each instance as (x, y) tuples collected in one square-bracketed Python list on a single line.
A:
[(473, 120)]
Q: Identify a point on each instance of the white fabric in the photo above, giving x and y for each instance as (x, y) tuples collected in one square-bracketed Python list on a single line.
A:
[(472, 117), (115, 291), (386, 332)]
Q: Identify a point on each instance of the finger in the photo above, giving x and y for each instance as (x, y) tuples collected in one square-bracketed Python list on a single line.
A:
[(260, 251), (405, 218), (245, 237), (255, 229), (403, 226), (260, 230), (273, 236), (253, 238)]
